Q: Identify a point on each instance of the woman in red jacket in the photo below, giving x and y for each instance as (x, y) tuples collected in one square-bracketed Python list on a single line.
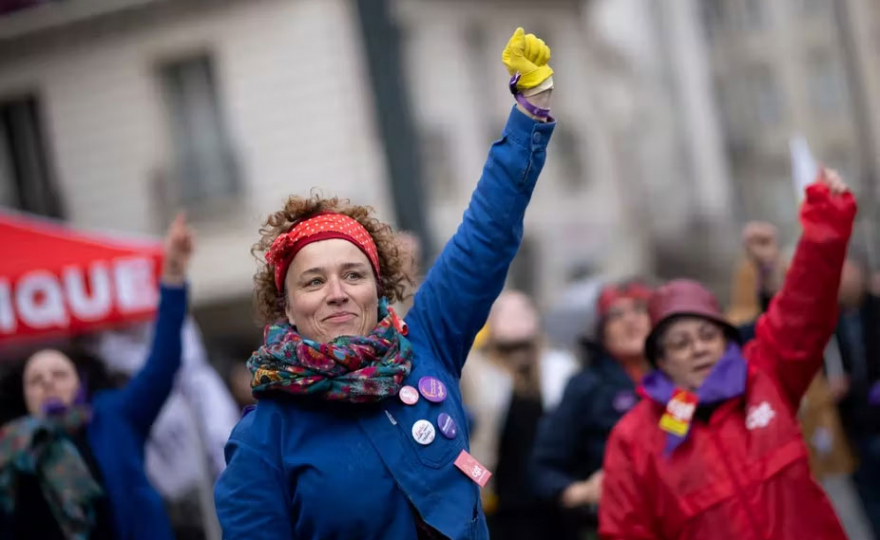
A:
[(714, 450)]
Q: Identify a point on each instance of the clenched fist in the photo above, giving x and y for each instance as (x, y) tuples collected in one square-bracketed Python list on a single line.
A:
[(759, 240), (585, 492), (178, 249), (832, 179), (527, 55)]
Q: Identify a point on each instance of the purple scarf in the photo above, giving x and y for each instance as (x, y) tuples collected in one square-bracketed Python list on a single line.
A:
[(726, 380)]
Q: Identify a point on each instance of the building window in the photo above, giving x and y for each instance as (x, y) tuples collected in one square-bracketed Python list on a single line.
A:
[(474, 65), (748, 103), (437, 162), (523, 274), (26, 178), (766, 101), (754, 14), (204, 164), (826, 85), (775, 195), (729, 108), (813, 7), (712, 12), (570, 153)]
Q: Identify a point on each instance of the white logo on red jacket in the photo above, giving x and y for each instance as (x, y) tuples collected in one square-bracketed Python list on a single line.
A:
[(759, 416)]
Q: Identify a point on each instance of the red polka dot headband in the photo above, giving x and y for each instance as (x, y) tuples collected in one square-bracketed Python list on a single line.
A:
[(315, 229)]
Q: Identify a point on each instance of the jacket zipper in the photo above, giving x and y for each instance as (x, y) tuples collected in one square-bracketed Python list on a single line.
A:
[(739, 489)]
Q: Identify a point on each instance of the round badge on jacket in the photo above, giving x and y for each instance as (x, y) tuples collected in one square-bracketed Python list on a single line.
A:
[(432, 389), (423, 432), (623, 401), (408, 395), (447, 426)]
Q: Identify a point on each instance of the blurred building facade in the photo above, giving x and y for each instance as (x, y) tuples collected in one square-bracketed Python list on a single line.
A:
[(673, 116), (719, 87), (117, 113), (668, 135), (581, 214), (808, 67)]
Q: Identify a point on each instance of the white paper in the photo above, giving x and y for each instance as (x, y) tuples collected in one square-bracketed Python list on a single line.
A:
[(803, 167)]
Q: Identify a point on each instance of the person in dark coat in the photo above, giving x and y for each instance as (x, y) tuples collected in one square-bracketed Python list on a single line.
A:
[(568, 453), (858, 338), (72, 468)]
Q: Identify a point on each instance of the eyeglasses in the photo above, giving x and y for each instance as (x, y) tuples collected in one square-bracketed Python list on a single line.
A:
[(681, 341), (511, 347)]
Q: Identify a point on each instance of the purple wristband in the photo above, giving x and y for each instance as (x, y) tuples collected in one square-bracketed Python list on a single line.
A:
[(537, 111), (521, 99)]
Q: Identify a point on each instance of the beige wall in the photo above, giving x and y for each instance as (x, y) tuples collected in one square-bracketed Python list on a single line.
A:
[(291, 82)]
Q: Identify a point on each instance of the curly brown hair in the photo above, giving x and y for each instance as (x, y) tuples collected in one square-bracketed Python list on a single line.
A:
[(270, 302)]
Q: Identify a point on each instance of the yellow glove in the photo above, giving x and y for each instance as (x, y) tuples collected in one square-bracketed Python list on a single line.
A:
[(527, 55)]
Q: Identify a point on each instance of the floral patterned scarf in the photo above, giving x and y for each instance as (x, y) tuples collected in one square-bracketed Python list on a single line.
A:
[(356, 369), (41, 447)]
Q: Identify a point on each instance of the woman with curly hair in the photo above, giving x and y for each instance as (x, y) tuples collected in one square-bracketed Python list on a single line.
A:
[(359, 431)]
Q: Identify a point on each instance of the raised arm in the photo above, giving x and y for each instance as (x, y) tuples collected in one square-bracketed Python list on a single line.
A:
[(453, 302), (142, 398), (761, 243), (792, 334)]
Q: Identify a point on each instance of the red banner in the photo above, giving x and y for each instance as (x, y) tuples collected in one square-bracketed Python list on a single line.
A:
[(58, 281)]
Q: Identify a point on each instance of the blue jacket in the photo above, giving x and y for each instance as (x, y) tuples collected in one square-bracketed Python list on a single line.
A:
[(571, 440), (305, 470), (121, 423)]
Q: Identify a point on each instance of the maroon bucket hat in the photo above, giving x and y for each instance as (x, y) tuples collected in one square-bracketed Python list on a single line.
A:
[(678, 298)]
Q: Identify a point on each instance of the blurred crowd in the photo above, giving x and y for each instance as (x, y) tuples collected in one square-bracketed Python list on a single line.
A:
[(542, 392), (632, 408), (543, 410)]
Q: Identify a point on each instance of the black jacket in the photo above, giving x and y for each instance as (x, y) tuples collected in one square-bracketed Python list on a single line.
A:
[(863, 367), (571, 440)]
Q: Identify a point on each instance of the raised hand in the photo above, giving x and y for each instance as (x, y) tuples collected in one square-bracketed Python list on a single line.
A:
[(527, 55), (585, 492), (178, 249), (832, 179), (761, 244)]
